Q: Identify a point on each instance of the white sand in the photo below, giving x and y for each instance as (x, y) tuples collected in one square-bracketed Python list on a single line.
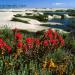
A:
[(5, 18), (31, 21), (34, 25)]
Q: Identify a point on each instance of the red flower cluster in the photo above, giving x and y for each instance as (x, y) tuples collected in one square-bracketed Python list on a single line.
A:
[(19, 44), (37, 41), (4, 46), (50, 40), (29, 40), (18, 36), (61, 40), (55, 34), (8, 48), (25, 48), (49, 34), (30, 43), (45, 43), (53, 39), (53, 42)]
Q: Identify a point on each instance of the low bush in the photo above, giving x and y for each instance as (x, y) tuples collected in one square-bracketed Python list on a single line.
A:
[(19, 20), (39, 17), (18, 15)]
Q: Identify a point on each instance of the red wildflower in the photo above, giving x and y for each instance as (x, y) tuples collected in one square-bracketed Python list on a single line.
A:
[(19, 45), (53, 42), (60, 37), (55, 34), (1, 40), (50, 36), (37, 42), (45, 43), (45, 34), (8, 49), (49, 31), (18, 36), (30, 46), (62, 42), (29, 40), (25, 48), (4, 44), (1, 45)]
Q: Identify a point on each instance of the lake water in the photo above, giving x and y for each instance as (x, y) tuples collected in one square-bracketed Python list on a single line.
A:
[(56, 13), (65, 22)]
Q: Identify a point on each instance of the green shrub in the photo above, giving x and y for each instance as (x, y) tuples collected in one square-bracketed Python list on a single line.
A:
[(18, 15), (39, 17), (19, 20)]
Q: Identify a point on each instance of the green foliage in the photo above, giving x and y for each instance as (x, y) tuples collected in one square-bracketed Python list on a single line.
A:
[(71, 12), (10, 66), (19, 20), (28, 13), (60, 11), (38, 17), (43, 18), (18, 15)]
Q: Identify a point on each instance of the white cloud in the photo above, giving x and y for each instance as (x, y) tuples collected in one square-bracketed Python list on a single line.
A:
[(57, 4)]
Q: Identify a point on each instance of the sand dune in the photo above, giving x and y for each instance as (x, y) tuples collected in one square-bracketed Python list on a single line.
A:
[(34, 25), (5, 18)]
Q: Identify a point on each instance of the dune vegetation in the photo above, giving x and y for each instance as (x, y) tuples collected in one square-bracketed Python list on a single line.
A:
[(39, 17), (41, 53)]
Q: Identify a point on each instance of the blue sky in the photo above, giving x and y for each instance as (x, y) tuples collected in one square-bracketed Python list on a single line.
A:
[(41, 3)]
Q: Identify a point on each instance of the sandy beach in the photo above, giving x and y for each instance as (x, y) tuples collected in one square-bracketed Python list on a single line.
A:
[(6, 16), (34, 25)]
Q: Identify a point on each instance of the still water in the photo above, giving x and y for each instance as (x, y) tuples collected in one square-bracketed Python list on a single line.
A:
[(65, 22)]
